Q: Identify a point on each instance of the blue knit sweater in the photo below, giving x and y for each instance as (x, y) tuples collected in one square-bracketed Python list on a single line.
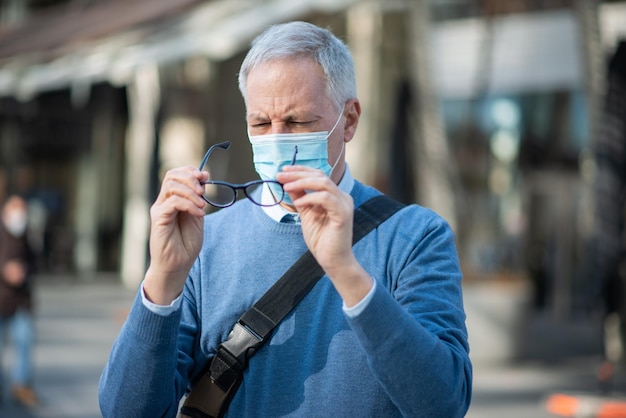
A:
[(405, 354)]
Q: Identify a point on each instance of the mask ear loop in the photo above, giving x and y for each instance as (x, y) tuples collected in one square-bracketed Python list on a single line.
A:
[(343, 146), (337, 122), (343, 143)]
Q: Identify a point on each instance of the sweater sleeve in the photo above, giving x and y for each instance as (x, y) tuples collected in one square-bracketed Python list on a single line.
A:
[(415, 338), (147, 371)]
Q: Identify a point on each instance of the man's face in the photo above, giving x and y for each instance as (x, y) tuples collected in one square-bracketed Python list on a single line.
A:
[(289, 96)]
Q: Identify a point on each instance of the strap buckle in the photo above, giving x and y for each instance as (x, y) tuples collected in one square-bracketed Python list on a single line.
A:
[(242, 343), (232, 356)]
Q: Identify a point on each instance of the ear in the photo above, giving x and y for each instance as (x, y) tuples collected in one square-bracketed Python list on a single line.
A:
[(353, 113)]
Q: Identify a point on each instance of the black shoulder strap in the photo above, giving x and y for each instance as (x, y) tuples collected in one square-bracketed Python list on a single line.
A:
[(216, 387)]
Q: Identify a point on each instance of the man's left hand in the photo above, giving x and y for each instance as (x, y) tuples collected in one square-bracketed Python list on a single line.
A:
[(326, 214)]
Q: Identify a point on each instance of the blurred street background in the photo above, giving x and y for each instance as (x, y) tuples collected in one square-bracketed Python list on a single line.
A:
[(507, 117)]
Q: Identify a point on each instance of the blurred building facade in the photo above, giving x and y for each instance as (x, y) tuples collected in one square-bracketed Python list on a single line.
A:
[(484, 110)]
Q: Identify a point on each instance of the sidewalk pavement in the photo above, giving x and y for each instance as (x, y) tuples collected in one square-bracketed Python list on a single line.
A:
[(77, 322), (522, 390), (522, 358)]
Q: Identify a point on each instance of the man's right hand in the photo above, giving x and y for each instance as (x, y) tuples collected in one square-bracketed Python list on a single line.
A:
[(175, 233)]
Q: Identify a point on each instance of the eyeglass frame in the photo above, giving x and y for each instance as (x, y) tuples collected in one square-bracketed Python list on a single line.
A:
[(235, 187)]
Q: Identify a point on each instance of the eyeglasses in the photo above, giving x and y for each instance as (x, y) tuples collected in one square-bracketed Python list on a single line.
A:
[(222, 194)]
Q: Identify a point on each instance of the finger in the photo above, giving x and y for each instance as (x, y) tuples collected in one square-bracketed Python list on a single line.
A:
[(291, 168), (296, 173), (183, 183), (306, 183), (176, 198), (188, 176), (173, 205), (178, 190), (320, 200), (292, 172)]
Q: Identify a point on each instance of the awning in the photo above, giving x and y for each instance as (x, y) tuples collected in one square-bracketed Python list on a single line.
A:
[(530, 52), (109, 41)]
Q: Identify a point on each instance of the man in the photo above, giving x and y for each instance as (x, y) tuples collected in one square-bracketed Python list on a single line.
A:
[(16, 267), (382, 334)]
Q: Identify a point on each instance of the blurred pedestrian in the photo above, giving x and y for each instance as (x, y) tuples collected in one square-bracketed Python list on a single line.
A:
[(16, 304)]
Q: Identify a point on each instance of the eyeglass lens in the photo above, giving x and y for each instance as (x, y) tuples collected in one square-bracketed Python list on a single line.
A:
[(219, 195)]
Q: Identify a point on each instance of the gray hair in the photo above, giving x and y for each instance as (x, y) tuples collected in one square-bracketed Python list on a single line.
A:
[(298, 39)]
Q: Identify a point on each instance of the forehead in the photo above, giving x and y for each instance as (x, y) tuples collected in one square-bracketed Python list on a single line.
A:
[(287, 84)]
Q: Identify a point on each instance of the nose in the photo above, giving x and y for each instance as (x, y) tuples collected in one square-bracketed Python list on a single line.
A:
[(280, 128)]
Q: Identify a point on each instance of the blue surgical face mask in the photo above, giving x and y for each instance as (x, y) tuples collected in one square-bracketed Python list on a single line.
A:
[(272, 152)]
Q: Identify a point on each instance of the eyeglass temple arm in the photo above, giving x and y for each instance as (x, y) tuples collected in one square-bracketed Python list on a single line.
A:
[(224, 145), (295, 152)]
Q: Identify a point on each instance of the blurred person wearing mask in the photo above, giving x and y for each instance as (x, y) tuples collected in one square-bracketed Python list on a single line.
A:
[(382, 334), (16, 304)]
